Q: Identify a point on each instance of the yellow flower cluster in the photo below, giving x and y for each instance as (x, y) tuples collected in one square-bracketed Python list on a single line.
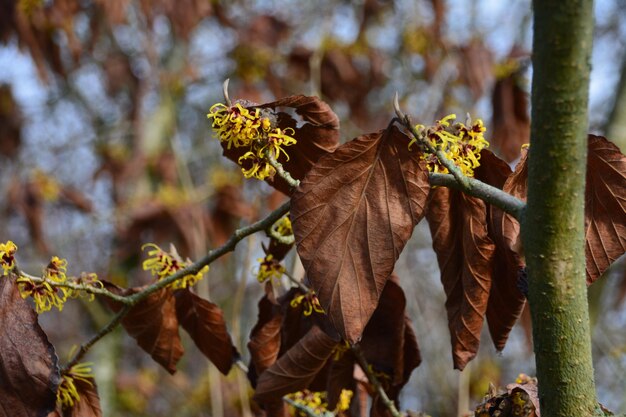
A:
[(44, 293), (7, 256), (67, 395), (460, 143), (269, 268), (317, 402), (163, 264), (255, 130), (310, 303)]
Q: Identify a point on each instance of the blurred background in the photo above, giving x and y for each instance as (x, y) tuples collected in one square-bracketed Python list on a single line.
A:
[(105, 145)]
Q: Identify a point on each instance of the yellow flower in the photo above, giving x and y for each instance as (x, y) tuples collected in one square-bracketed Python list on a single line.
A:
[(344, 400), (43, 294), (7, 256), (55, 271), (269, 268), (163, 264), (67, 395), (341, 348), (256, 131), (460, 143), (87, 279), (309, 302)]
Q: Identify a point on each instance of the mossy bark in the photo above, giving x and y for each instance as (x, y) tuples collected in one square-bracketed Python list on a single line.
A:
[(553, 224)]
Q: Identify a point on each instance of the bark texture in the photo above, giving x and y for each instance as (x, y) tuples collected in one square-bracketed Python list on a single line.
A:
[(553, 225)]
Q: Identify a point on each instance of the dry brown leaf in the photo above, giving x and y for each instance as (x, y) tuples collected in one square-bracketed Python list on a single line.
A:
[(153, 324), (505, 299), (296, 369), (605, 206), (204, 321), (458, 225), (264, 343), (511, 122), (29, 373), (352, 216)]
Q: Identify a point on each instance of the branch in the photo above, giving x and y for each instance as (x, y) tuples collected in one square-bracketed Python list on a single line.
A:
[(486, 192), (90, 289), (456, 179), (356, 349), (281, 171), (84, 348)]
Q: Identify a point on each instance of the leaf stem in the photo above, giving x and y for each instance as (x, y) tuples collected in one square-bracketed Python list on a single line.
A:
[(358, 353)]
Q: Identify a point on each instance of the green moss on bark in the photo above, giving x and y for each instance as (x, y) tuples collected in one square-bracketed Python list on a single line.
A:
[(553, 225)]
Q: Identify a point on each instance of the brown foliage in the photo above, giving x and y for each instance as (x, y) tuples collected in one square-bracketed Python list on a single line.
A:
[(204, 321), (458, 225), (296, 369), (511, 122), (605, 206), (352, 215), (29, 374), (153, 324)]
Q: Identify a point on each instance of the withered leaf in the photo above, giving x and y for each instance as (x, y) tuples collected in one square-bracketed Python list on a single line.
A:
[(340, 377), (264, 343), (458, 225), (383, 337), (89, 404), (352, 216), (29, 372), (605, 206), (511, 122), (318, 136), (505, 300), (296, 369), (529, 397), (153, 324), (204, 321)]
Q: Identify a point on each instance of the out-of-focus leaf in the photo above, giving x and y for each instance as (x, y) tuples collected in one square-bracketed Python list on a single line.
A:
[(352, 216), (605, 206), (340, 377), (153, 324), (204, 321), (318, 136), (526, 397), (511, 122), (505, 299), (458, 225), (296, 369), (89, 404), (29, 373), (264, 343)]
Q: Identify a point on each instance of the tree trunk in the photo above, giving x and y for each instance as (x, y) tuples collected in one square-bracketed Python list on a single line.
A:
[(553, 226)]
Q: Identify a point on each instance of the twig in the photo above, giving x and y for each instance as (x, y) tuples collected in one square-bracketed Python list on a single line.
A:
[(281, 171), (486, 192), (194, 268), (307, 410), (358, 353), (84, 348), (456, 179), (90, 289)]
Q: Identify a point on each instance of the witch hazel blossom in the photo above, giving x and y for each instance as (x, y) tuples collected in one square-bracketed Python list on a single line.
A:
[(256, 131), (460, 142)]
